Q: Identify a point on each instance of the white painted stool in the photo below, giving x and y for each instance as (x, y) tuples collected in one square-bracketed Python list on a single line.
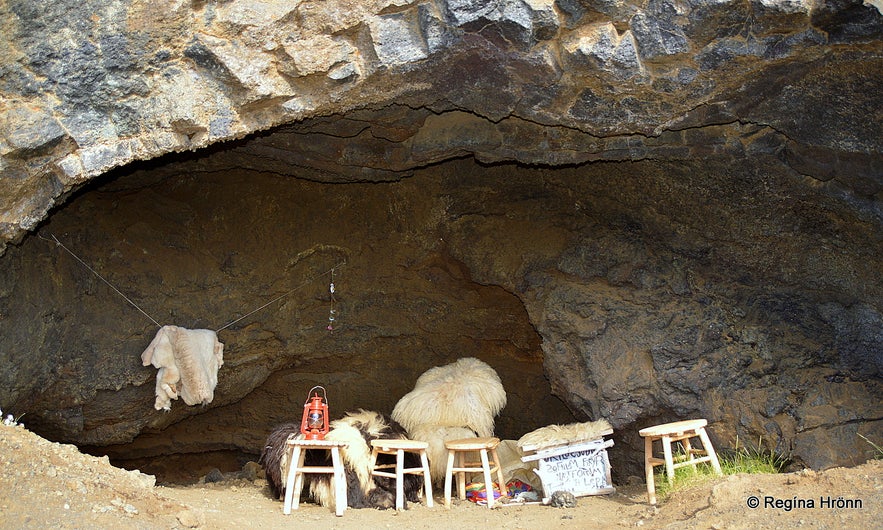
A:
[(679, 431), (296, 470), (459, 452), (399, 448)]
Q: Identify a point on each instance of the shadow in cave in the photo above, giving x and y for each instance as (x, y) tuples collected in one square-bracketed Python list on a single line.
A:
[(198, 248)]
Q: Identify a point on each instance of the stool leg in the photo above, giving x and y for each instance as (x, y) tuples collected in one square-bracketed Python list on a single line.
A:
[(461, 475), (295, 461), (400, 480), (500, 479), (689, 449), (648, 470), (339, 482), (709, 449), (427, 479), (449, 471), (488, 482), (669, 462)]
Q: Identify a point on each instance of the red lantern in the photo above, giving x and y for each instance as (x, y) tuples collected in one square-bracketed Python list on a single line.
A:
[(314, 425)]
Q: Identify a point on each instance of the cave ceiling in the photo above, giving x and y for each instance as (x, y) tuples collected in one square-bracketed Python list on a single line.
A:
[(640, 210)]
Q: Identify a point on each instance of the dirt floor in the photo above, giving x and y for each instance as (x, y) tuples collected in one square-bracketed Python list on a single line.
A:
[(49, 485)]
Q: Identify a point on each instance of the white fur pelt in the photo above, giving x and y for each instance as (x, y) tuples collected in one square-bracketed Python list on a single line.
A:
[(437, 454), (457, 400), (364, 491), (466, 393), (552, 435), (188, 361)]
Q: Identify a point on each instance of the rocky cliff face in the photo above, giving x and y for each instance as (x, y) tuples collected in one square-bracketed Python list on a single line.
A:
[(642, 211)]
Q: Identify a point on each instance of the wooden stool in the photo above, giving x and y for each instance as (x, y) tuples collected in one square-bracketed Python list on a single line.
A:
[(399, 448), (296, 470), (679, 431), (458, 451)]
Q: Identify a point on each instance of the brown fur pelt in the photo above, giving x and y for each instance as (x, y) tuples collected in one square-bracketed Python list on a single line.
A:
[(188, 361), (274, 457)]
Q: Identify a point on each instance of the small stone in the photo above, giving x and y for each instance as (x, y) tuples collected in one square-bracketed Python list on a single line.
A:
[(214, 475), (252, 471), (563, 499)]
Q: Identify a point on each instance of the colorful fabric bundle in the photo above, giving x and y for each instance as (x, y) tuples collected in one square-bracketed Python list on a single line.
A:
[(516, 487), (476, 492)]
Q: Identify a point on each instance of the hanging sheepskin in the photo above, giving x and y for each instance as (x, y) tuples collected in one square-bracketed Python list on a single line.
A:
[(457, 400), (188, 361), (363, 490)]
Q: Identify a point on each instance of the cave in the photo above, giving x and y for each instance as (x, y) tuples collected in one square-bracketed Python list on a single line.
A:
[(206, 254), (633, 211)]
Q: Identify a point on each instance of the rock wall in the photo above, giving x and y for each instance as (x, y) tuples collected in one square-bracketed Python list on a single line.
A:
[(92, 86), (648, 210)]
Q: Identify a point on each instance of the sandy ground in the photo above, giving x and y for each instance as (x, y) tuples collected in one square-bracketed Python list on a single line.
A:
[(49, 485)]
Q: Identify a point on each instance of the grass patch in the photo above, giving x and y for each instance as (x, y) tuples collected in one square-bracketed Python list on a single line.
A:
[(740, 459), (743, 459)]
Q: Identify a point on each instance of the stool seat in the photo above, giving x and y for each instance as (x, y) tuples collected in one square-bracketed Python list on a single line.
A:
[(472, 444), (667, 434), (399, 447), (674, 428), (459, 464), (296, 470), (393, 444)]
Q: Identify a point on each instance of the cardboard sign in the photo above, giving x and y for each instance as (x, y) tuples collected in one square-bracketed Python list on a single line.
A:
[(581, 469)]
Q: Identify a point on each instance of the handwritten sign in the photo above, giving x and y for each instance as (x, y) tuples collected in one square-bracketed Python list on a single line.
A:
[(581, 469)]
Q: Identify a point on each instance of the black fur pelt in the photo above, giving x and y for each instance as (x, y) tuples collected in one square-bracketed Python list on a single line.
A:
[(364, 491), (273, 455), (413, 484)]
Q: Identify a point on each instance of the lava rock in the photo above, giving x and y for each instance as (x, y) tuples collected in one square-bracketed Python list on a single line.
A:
[(563, 499)]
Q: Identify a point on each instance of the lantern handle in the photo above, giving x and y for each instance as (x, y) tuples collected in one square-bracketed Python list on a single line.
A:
[(310, 393)]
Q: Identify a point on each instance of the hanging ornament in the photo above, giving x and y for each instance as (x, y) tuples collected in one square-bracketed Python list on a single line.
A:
[(331, 311)]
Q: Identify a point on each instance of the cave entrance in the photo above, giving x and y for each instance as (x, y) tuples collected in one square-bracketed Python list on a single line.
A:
[(198, 245)]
